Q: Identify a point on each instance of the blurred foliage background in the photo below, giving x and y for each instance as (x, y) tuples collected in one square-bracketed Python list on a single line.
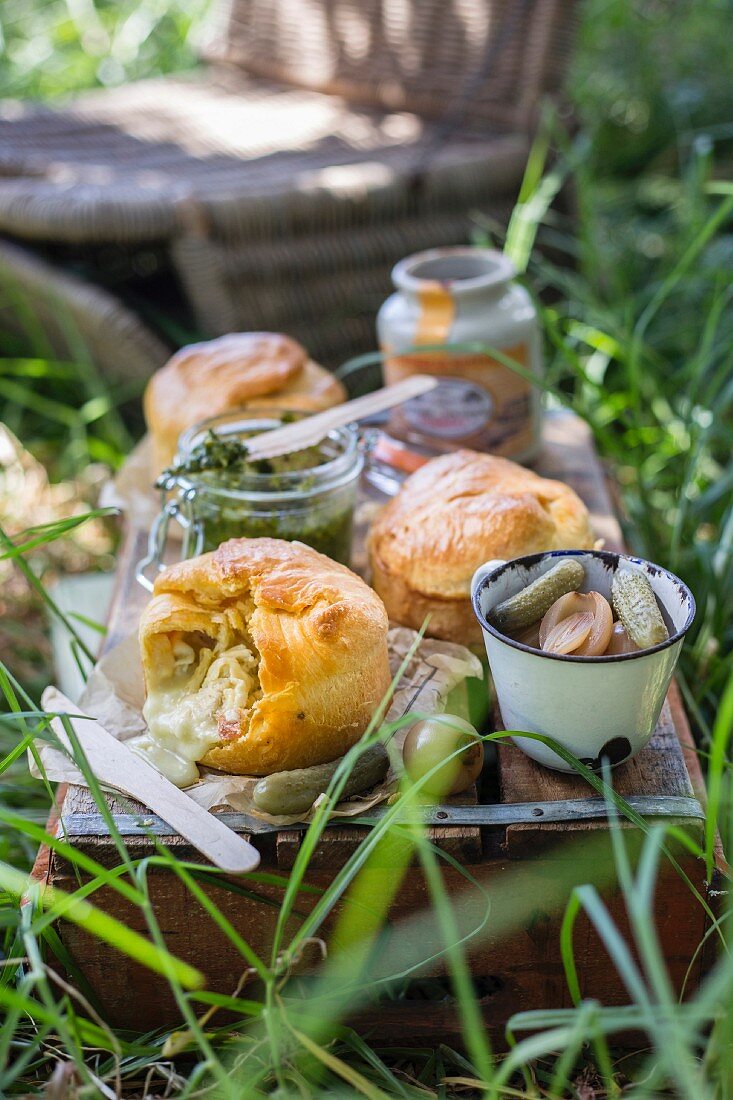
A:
[(53, 48), (647, 73)]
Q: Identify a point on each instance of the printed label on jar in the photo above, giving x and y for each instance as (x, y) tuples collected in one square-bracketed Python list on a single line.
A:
[(479, 403), (455, 408)]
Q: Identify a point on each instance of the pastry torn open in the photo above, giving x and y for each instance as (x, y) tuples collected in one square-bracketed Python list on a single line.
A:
[(201, 689), (262, 656)]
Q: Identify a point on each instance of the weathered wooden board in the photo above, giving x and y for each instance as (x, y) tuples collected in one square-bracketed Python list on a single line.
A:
[(660, 770), (529, 869), (567, 454), (516, 961)]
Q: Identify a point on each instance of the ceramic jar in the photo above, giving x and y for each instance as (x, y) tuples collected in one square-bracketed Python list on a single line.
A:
[(459, 296)]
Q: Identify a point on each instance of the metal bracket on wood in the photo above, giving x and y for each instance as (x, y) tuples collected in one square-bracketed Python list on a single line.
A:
[(514, 813)]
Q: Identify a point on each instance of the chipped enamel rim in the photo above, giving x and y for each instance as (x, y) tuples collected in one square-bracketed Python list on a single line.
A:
[(608, 558)]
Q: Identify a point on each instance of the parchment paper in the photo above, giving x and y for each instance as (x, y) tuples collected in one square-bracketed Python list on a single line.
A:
[(132, 490), (114, 695)]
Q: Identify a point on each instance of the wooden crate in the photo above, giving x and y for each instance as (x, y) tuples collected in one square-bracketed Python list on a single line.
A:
[(544, 833)]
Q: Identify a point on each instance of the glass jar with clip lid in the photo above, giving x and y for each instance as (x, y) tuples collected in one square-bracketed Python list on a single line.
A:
[(214, 493)]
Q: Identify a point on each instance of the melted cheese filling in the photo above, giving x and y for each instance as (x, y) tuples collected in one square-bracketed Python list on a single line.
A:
[(195, 693)]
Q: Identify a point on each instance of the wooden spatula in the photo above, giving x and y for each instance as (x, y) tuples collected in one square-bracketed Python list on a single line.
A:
[(311, 430), (118, 767)]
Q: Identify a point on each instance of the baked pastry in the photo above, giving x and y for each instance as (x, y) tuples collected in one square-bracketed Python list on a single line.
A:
[(455, 513), (259, 657), (259, 369)]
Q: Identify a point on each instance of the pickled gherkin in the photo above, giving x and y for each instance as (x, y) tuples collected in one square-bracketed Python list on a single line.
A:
[(294, 792), (529, 605), (636, 606)]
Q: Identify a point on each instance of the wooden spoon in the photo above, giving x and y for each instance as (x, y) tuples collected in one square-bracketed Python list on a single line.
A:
[(118, 767), (311, 430)]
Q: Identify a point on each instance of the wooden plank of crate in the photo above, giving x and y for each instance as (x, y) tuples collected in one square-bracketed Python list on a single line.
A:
[(129, 597), (338, 843), (659, 769), (568, 454), (461, 841)]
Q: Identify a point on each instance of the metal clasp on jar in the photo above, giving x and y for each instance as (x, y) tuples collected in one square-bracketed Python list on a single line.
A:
[(181, 510)]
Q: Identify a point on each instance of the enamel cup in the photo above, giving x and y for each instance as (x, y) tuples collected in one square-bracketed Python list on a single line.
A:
[(596, 707)]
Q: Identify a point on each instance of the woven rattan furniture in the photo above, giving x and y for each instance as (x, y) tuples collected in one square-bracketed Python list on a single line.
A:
[(324, 140), (74, 317)]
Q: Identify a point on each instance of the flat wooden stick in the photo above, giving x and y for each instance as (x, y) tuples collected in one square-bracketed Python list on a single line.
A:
[(311, 430), (118, 767)]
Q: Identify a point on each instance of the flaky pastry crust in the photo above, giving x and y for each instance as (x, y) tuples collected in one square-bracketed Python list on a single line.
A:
[(320, 634), (257, 369), (455, 513)]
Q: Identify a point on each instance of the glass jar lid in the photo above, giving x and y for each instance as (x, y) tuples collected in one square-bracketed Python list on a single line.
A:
[(336, 460)]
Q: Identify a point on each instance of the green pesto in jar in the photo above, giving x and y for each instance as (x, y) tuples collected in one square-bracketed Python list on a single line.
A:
[(238, 497)]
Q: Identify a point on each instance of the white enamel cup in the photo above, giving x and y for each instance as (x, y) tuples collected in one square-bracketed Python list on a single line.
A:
[(596, 707)]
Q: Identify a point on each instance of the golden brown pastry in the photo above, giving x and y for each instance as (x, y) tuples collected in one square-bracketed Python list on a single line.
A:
[(455, 513), (261, 656), (259, 369)]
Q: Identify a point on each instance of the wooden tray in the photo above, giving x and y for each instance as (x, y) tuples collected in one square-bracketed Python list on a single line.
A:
[(532, 820)]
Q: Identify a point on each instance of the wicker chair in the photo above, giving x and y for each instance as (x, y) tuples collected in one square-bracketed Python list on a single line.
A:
[(324, 140), (75, 318)]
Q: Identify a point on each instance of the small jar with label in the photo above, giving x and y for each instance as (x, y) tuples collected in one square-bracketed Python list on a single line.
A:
[(463, 296)]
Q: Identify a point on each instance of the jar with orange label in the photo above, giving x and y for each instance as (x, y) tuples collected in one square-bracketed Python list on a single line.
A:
[(454, 296)]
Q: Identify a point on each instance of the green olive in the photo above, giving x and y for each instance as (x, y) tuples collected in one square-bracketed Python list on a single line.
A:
[(432, 741)]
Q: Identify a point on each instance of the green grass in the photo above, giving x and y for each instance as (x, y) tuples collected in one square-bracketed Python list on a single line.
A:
[(650, 367), (635, 298)]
